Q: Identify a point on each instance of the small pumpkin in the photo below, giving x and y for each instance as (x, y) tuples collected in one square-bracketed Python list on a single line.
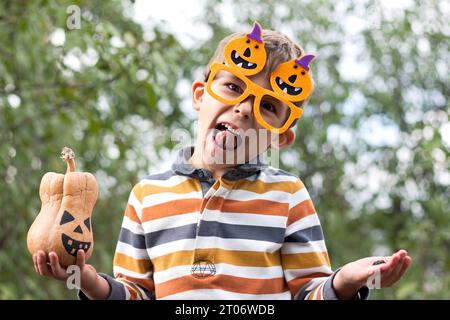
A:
[(292, 79), (247, 54), (64, 223)]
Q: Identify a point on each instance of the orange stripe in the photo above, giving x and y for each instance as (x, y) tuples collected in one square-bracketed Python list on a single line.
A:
[(301, 210), (296, 284), (260, 187), (186, 186), (146, 283), (131, 213), (222, 282), (305, 260), (234, 257), (170, 208), (258, 206), (132, 264), (319, 294)]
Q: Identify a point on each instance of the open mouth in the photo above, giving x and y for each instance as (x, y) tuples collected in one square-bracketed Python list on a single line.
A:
[(226, 136), (293, 91), (241, 62), (72, 245)]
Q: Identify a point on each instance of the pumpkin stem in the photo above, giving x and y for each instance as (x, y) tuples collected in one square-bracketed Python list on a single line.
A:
[(68, 155)]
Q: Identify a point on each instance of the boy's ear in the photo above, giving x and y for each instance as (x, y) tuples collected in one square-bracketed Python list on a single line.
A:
[(284, 140), (198, 89)]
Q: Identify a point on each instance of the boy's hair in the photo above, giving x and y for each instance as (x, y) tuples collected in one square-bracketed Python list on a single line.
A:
[(279, 47)]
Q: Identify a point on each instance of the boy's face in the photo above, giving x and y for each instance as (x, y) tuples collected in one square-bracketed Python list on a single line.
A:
[(221, 146)]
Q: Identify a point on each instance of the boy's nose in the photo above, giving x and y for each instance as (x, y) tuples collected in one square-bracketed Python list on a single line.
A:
[(244, 108)]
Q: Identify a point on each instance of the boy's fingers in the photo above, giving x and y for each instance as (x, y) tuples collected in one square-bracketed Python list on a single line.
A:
[(35, 263), (43, 267), (81, 258), (57, 270)]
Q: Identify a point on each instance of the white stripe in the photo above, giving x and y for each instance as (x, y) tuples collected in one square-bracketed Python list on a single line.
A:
[(221, 269), (159, 198), (304, 223), (131, 251), (217, 294), (268, 175), (298, 197), (249, 219), (170, 222), (170, 247), (171, 182), (237, 244), (298, 247), (132, 226), (129, 273), (134, 202), (291, 274), (321, 290), (213, 243), (314, 283), (245, 195), (127, 293)]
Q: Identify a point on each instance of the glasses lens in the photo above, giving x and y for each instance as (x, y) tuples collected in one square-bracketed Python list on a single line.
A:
[(274, 111), (227, 86)]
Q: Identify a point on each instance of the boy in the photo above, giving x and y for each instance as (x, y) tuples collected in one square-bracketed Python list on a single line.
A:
[(222, 223)]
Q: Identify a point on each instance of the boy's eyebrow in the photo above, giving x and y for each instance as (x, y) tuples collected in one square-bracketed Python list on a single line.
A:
[(225, 74)]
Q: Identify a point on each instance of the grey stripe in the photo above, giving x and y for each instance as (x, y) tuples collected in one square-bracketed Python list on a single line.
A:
[(280, 172), (172, 234), (237, 231), (135, 240), (305, 235), (160, 176)]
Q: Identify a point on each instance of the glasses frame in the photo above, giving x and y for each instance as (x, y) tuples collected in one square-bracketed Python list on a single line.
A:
[(258, 92)]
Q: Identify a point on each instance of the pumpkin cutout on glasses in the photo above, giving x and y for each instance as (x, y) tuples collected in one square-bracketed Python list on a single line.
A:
[(292, 79), (64, 223), (247, 54)]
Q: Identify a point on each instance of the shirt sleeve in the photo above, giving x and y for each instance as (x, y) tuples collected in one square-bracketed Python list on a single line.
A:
[(304, 255), (132, 267)]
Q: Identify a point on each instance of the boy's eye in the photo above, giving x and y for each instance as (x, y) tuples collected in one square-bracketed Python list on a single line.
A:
[(234, 87), (268, 106)]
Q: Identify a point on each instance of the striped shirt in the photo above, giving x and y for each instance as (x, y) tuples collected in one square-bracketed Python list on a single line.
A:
[(252, 234)]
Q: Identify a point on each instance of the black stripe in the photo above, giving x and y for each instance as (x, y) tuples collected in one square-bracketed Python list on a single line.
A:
[(305, 235), (135, 240), (238, 231), (172, 234)]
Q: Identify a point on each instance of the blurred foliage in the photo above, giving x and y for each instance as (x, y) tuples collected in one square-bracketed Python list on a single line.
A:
[(370, 146)]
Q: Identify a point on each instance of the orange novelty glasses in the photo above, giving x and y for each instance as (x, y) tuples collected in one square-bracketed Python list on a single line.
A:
[(272, 111)]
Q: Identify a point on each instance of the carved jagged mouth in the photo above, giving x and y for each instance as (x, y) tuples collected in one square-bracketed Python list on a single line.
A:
[(293, 91), (72, 246), (241, 62)]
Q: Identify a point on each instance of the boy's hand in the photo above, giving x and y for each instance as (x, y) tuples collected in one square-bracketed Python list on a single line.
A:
[(355, 275), (94, 286)]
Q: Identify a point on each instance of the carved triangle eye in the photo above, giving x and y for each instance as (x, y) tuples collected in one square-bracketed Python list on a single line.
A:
[(78, 230), (67, 217), (87, 223)]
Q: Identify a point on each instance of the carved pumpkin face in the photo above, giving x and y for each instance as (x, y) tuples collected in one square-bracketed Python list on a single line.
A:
[(246, 54), (64, 223), (71, 230), (292, 79)]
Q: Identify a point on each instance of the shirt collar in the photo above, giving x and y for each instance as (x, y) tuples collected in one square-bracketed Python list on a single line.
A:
[(183, 167)]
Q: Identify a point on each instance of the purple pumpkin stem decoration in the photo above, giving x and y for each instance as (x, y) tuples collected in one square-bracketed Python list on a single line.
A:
[(256, 32), (305, 60)]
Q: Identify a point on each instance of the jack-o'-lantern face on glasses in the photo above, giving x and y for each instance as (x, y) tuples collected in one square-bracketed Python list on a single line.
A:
[(292, 79), (247, 54)]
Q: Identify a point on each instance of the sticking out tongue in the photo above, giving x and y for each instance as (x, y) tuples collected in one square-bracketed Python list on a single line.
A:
[(226, 140)]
